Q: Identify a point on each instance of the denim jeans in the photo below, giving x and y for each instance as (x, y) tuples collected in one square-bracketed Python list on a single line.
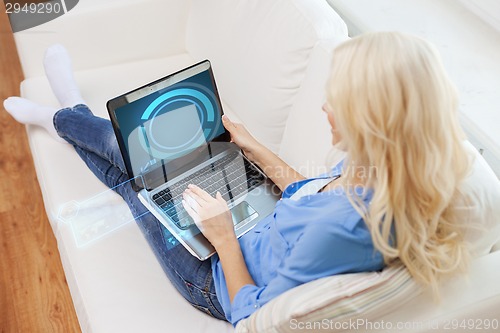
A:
[(94, 140)]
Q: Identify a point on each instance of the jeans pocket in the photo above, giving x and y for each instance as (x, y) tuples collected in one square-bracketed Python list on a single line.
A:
[(215, 313), (197, 300)]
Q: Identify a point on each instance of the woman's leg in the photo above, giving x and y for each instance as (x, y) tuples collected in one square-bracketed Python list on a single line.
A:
[(95, 142)]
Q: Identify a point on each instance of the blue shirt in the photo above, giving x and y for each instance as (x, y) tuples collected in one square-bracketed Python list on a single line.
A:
[(316, 236)]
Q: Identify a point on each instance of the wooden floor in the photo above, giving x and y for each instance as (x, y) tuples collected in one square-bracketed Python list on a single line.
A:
[(34, 295)]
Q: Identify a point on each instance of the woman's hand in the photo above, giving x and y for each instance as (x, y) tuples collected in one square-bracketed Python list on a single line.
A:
[(213, 218), (211, 215), (242, 138)]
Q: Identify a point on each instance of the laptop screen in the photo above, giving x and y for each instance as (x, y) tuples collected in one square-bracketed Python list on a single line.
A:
[(168, 124)]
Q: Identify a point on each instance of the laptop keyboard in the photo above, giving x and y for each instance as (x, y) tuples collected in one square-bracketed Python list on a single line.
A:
[(231, 175)]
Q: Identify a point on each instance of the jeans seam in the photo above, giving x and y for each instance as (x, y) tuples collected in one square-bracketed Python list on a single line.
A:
[(132, 209), (206, 294), (159, 225), (192, 301)]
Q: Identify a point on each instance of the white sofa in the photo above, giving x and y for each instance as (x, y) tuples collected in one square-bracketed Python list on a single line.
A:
[(271, 59)]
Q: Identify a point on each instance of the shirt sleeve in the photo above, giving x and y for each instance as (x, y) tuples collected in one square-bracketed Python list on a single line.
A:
[(316, 254)]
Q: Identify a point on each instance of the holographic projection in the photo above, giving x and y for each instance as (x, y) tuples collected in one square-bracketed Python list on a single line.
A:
[(93, 218)]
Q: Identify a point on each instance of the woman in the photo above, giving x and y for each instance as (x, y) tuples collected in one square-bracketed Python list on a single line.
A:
[(391, 108)]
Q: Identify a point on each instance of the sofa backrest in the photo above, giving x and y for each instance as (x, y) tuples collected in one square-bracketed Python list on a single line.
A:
[(307, 138), (260, 51), (100, 33)]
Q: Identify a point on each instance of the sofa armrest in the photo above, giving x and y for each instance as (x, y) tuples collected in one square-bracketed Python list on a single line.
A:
[(108, 32)]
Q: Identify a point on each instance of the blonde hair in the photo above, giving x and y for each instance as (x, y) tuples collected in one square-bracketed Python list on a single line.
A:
[(396, 110)]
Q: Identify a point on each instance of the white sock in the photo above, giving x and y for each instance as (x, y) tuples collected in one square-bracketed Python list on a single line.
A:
[(59, 71), (28, 112)]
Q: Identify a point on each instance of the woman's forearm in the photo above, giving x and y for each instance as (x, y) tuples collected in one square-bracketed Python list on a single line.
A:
[(275, 168), (234, 267)]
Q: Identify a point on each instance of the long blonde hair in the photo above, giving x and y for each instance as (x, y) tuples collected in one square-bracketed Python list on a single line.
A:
[(396, 110)]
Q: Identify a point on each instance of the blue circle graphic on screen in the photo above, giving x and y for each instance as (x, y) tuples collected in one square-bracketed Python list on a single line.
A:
[(176, 93), (187, 143), (179, 121)]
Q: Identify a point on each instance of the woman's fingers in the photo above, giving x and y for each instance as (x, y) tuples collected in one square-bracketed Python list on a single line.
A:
[(190, 211), (198, 194), (201, 203), (219, 197), (228, 124), (192, 201)]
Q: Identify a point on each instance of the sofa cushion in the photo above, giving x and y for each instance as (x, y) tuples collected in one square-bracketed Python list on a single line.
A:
[(496, 247), (482, 214), (259, 51)]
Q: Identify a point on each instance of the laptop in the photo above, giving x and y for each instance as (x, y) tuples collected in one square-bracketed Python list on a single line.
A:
[(170, 134)]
